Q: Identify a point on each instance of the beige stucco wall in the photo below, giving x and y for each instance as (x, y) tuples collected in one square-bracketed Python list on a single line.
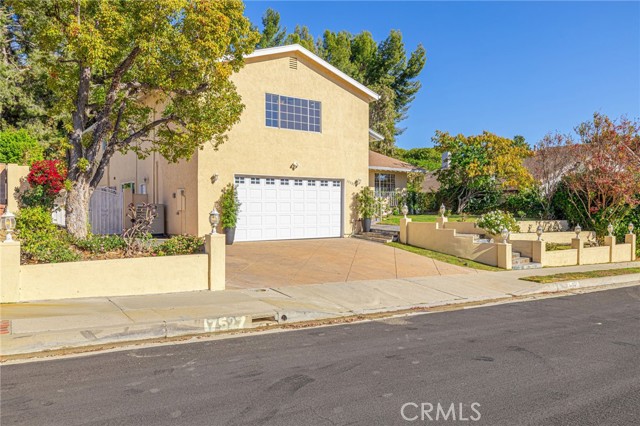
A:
[(547, 225), (14, 174), (594, 255), (401, 178), (339, 152), (117, 277), (551, 237), (427, 235), (561, 258), (621, 253)]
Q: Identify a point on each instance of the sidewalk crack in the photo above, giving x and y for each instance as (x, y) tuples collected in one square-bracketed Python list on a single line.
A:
[(121, 310)]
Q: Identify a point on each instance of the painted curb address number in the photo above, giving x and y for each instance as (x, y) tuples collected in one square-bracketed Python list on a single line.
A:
[(225, 323)]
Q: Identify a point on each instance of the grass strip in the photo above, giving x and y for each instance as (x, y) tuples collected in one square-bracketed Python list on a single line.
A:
[(570, 276), (447, 258)]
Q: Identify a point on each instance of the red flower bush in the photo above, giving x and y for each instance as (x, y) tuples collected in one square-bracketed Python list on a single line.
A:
[(49, 174)]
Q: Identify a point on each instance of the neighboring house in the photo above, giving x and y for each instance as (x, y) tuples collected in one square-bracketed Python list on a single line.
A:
[(386, 174), (298, 155)]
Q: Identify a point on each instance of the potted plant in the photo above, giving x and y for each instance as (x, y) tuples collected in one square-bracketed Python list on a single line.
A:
[(366, 207), (230, 206)]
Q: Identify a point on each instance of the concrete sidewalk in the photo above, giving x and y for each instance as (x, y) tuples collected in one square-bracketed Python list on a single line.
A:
[(49, 325)]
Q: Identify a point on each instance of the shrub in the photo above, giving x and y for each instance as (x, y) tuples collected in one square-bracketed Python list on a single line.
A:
[(366, 203), (494, 222), (19, 147), (180, 244), (98, 244), (41, 240), (528, 201), (230, 206), (46, 179)]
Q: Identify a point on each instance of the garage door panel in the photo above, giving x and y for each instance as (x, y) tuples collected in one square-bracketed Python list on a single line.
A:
[(280, 208)]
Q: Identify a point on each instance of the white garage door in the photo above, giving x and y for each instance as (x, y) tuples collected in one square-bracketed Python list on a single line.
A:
[(282, 209)]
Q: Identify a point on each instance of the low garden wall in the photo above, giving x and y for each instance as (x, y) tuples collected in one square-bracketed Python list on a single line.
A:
[(114, 277), (448, 237)]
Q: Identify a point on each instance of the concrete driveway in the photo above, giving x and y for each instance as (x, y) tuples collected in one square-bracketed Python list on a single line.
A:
[(297, 262)]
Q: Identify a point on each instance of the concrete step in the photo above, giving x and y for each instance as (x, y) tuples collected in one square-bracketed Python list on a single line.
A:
[(531, 265), (521, 261), (372, 236), (516, 254)]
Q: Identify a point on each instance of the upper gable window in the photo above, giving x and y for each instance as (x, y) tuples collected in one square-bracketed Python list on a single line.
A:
[(293, 113)]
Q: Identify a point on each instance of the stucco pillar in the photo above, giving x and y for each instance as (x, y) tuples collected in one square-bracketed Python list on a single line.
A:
[(441, 220), (216, 250), (9, 272), (631, 239), (578, 244), (505, 255), (539, 251), (610, 241), (404, 230)]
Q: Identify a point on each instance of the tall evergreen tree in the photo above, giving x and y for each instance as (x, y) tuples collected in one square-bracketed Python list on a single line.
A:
[(272, 34)]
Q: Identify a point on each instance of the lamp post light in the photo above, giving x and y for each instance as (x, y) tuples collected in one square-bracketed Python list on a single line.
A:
[(610, 229), (539, 231), (443, 210), (405, 210), (505, 235), (214, 219), (8, 222), (630, 228), (578, 230)]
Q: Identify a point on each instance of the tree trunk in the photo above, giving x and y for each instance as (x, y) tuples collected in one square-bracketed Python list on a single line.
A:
[(77, 208)]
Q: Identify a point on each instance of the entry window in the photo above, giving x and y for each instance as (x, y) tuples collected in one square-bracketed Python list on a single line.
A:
[(385, 182), (270, 181), (293, 113), (255, 181)]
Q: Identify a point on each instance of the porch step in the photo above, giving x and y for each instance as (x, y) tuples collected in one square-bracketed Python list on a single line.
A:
[(531, 265), (376, 237), (520, 260), (516, 254)]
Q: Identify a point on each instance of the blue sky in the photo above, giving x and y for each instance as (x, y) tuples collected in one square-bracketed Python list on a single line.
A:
[(508, 67)]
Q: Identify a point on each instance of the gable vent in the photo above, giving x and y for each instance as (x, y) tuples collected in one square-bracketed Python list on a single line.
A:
[(293, 63)]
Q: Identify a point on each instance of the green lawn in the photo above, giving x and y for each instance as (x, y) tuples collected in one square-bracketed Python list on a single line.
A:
[(445, 257), (395, 219), (569, 276)]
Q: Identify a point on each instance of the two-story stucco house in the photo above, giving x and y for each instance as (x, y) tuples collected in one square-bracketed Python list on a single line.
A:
[(298, 155)]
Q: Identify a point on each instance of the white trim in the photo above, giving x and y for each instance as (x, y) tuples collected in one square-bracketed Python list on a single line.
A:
[(375, 135), (297, 48), (396, 169)]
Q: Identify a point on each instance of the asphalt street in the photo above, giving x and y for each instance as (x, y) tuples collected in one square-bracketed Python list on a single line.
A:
[(563, 361)]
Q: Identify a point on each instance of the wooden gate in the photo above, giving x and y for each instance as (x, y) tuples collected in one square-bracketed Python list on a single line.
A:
[(105, 211)]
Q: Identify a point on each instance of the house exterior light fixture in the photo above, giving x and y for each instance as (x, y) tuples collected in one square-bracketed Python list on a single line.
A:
[(630, 228), (214, 178), (443, 210), (405, 210), (357, 182), (214, 219), (577, 230), (539, 232), (8, 223), (505, 235), (294, 165), (610, 230)]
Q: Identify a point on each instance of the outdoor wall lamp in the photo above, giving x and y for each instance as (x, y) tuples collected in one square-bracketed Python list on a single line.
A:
[(214, 219), (630, 227), (610, 229), (578, 230), (357, 182), (214, 178), (505, 235), (294, 165), (8, 223), (539, 231), (405, 210), (443, 210)]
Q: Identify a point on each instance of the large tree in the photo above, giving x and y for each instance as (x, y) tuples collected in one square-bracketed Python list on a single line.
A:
[(137, 75), (604, 188), (480, 165), (272, 33)]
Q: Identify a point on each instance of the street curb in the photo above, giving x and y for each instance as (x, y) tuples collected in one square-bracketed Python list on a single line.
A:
[(34, 343)]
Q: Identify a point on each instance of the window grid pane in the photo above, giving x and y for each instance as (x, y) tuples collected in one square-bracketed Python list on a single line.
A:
[(292, 113)]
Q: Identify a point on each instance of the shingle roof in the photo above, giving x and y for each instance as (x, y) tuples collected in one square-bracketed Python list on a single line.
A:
[(382, 162)]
